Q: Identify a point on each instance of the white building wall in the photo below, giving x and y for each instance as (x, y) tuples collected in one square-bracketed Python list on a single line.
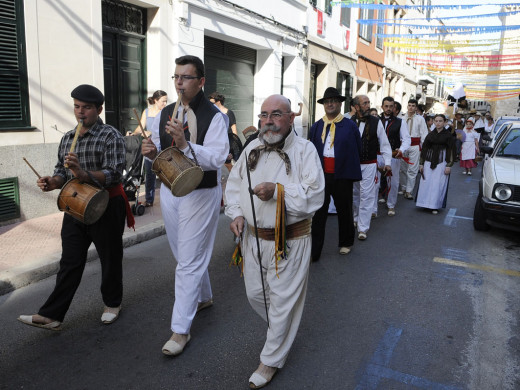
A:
[(255, 30), (65, 49)]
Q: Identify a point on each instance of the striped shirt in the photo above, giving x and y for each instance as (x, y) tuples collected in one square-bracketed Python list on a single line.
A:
[(101, 148)]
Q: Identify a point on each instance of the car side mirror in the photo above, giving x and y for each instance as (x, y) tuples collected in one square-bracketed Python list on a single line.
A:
[(486, 149)]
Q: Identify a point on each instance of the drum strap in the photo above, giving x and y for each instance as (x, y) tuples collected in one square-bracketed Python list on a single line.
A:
[(118, 190)]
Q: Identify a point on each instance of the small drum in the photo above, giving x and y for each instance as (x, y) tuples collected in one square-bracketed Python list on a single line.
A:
[(83, 201), (177, 172)]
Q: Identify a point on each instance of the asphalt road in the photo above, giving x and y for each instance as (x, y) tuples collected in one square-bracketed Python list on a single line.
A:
[(425, 302)]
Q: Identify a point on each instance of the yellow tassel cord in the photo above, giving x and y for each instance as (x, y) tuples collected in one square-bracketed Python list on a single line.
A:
[(237, 260), (280, 242)]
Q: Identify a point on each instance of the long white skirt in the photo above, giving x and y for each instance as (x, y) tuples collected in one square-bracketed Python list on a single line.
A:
[(433, 188)]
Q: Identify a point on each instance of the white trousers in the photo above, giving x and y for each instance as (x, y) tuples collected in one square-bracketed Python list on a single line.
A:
[(380, 164), (191, 225), (408, 173), (363, 197), (394, 183), (285, 293)]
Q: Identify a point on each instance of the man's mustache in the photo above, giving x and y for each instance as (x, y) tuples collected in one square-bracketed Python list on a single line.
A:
[(269, 128)]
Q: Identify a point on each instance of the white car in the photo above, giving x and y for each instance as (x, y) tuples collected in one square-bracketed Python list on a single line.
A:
[(498, 201)]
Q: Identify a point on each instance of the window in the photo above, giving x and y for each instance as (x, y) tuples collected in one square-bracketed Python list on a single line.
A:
[(380, 29), (328, 6), (313, 3), (14, 95), (365, 30), (345, 16), (344, 86)]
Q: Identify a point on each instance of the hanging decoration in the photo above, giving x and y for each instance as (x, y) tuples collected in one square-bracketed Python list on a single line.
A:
[(369, 4), (428, 20), (460, 54)]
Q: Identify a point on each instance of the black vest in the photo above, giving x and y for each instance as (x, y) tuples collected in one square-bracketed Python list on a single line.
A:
[(369, 140), (393, 131), (204, 112)]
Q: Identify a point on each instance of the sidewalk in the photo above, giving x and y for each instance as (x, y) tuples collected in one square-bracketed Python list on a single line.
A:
[(31, 250)]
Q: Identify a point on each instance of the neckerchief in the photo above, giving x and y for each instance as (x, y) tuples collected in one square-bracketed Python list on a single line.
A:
[(332, 130), (254, 155)]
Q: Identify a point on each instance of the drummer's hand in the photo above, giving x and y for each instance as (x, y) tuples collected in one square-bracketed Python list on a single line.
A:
[(176, 130), (148, 149), (237, 226), (447, 170), (265, 190), (47, 183), (421, 168)]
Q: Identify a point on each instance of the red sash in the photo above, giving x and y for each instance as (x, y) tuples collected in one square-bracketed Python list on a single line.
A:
[(328, 164), (416, 141), (118, 190)]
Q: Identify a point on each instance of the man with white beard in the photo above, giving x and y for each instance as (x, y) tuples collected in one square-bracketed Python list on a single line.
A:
[(287, 183)]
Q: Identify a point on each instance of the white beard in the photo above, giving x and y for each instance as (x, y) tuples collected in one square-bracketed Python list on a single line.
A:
[(270, 135)]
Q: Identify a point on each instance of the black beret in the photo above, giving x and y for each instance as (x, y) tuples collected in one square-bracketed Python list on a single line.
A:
[(88, 94)]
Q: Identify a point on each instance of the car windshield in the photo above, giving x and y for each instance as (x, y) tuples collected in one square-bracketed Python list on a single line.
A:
[(510, 145), (498, 124)]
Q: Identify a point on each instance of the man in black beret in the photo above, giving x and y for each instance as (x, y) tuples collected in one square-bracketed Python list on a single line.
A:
[(98, 159), (338, 143)]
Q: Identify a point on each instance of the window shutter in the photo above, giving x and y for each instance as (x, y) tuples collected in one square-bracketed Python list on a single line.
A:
[(14, 102)]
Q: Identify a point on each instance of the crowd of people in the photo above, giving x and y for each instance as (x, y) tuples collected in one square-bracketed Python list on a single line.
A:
[(277, 195)]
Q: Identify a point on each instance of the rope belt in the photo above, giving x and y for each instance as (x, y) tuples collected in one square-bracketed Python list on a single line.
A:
[(296, 230)]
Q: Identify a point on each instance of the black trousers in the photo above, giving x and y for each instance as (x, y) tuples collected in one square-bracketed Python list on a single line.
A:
[(341, 191), (76, 237)]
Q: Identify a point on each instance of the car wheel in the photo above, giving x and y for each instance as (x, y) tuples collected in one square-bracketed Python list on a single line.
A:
[(479, 216)]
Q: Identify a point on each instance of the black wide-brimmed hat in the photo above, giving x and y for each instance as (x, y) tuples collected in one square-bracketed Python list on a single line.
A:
[(331, 92)]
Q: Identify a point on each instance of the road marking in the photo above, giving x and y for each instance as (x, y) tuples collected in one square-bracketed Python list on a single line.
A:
[(476, 266), (451, 215), (377, 368)]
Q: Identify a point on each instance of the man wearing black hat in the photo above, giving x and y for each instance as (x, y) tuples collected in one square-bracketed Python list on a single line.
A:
[(98, 159), (337, 141)]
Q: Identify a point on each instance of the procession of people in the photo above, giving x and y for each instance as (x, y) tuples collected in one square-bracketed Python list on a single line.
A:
[(277, 196)]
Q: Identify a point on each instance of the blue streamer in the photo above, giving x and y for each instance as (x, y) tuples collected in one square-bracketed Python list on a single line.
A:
[(365, 5), (448, 30), (382, 21)]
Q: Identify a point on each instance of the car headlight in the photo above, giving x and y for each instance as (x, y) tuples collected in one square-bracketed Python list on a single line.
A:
[(503, 192)]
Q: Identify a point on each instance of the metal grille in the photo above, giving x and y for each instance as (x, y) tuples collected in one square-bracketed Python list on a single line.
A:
[(123, 17), (229, 50), (9, 199), (516, 194)]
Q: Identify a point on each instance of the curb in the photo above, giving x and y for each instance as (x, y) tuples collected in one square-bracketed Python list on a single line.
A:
[(24, 275)]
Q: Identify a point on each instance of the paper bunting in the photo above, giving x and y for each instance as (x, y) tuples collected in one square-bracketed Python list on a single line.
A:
[(428, 20), (445, 30), (371, 5)]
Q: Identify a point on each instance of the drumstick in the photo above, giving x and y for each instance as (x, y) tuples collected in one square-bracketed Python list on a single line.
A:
[(140, 125), (30, 166), (78, 130)]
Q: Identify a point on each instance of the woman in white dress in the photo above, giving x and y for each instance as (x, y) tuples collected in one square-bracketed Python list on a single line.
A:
[(437, 157), (469, 147)]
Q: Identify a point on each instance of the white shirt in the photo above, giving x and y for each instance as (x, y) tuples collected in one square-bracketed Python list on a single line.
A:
[(416, 126), (304, 187), (384, 145)]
